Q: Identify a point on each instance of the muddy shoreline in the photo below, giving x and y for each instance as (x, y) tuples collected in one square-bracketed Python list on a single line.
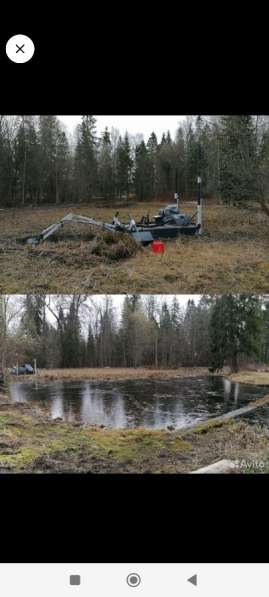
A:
[(113, 374), (258, 377), (31, 442)]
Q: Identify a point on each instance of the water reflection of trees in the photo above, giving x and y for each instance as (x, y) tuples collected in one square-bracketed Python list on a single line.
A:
[(154, 404)]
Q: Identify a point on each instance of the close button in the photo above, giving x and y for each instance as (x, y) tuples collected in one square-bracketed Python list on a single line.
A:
[(20, 48)]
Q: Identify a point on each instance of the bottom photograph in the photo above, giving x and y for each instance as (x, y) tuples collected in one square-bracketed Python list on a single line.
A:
[(147, 384)]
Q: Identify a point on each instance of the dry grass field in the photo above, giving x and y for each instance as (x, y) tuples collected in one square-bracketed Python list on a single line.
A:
[(258, 378), (231, 256), (117, 373)]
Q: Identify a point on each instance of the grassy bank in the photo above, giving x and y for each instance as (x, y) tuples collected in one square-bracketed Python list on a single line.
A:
[(31, 442), (258, 378), (117, 373), (231, 256)]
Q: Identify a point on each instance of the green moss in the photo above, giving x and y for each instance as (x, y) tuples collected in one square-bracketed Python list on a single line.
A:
[(72, 445), (208, 425), (36, 444), (20, 459)]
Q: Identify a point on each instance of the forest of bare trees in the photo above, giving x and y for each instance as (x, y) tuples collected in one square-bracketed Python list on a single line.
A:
[(149, 330), (40, 162)]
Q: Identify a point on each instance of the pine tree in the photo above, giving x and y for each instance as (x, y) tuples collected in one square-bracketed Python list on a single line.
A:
[(86, 159), (151, 306), (125, 330), (142, 176), (32, 322), (106, 166), (238, 159), (180, 161), (176, 338), (124, 166), (8, 176), (132, 305), (105, 344), (91, 349), (191, 161), (152, 149), (165, 336), (168, 138), (62, 164), (34, 327), (71, 337), (235, 329), (48, 134), (166, 166), (190, 333)]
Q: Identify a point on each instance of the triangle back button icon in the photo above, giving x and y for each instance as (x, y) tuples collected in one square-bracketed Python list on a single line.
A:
[(193, 580)]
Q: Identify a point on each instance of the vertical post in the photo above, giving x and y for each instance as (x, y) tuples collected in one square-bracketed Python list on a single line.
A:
[(199, 182), (35, 366), (176, 196), (17, 367), (199, 206), (24, 162)]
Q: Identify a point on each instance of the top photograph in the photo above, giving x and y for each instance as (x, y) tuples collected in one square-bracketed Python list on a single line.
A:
[(134, 204)]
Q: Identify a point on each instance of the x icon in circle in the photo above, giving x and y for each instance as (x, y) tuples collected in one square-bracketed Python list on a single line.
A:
[(20, 48)]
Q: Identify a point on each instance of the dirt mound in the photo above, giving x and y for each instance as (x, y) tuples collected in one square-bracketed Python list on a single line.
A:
[(115, 246), (103, 247)]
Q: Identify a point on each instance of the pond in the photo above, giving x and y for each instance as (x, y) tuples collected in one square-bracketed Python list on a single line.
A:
[(141, 403)]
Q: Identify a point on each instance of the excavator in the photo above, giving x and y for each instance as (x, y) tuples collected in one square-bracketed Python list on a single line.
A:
[(168, 223)]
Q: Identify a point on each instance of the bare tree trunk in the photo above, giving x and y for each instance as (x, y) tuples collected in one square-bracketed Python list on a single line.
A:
[(56, 179), (256, 130), (24, 163), (156, 351), (3, 330), (264, 206), (235, 366)]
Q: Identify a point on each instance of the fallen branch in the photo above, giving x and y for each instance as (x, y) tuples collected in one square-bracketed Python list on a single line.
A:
[(264, 206), (215, 421), (222, 466)]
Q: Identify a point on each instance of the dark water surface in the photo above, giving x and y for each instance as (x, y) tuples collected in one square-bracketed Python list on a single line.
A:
[(147, 403)]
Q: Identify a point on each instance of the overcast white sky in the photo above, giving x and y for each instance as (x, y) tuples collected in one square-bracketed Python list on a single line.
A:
[(117, 299), (132, 124)]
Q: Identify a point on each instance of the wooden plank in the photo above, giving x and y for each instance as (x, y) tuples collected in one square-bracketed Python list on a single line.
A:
[(227, 416), (219, 467)]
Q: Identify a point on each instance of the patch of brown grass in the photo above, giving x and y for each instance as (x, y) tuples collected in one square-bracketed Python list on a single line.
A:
[(259, 378), (231, 256), (31, 442), (118, 373)]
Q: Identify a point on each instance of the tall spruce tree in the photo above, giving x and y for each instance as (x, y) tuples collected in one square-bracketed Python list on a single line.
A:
[(86, 173), (106, 166), (48, 135), (235, 329), (143, 173), (152, 149), (238, 159), (124, 166)]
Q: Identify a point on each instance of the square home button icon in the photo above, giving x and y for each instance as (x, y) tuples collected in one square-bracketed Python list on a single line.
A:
[(75, 579)]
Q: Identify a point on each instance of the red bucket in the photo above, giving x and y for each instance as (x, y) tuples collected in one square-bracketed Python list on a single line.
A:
[(157, 246)]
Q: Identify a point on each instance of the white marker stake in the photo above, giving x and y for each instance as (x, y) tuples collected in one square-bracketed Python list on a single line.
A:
[(200, 217), (199, 207)]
